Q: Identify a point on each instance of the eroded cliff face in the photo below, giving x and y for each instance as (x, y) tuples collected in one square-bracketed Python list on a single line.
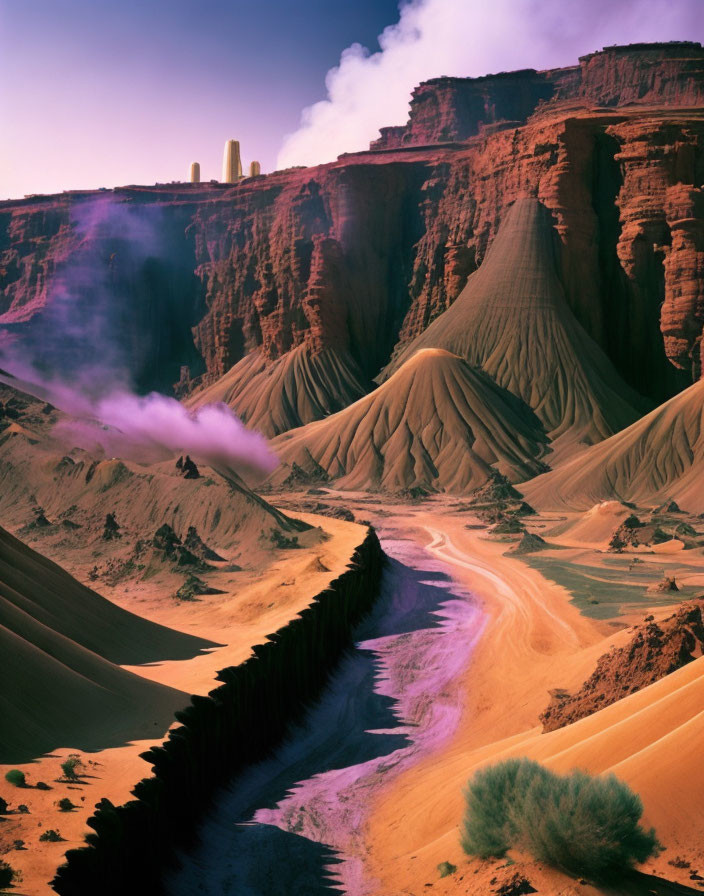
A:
[(318, 257), (610, 180), (683, 310), (99, 284), (454, 109), (359, 255)]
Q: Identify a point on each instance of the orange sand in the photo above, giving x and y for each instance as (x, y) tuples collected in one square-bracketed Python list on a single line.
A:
[(535, 640), (239, 619)]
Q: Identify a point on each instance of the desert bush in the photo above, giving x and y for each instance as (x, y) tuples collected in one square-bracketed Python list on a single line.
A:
[(3, 806), (279, 540), (16, 778), (51, 836), (65, 805), (7, 875), (584, 825), (42, 785), (446, 869), (70, 767)]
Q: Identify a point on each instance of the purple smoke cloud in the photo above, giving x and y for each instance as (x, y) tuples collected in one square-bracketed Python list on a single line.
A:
[(155, 427), (110, 324), (151, 428)]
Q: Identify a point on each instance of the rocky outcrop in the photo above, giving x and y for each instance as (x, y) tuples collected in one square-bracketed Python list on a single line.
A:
[(605, 177), (682, 315), (670, 73), (316, 257), (453, 109), (655, 650)]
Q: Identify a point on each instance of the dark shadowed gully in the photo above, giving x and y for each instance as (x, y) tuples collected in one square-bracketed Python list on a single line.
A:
[(294, 824)]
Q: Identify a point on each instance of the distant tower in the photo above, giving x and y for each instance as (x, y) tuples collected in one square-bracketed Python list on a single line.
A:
[(231, 163), (255, 169), (195, 172)]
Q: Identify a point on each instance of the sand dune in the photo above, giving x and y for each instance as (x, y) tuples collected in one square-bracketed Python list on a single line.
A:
[(295, 389), (513, 321), (593, 529), (35, 586), (437, 423), (660, 457), (59, 642), (535, 640)]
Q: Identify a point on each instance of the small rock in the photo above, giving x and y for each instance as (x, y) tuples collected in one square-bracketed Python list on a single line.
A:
[(111, 529), (529, 544), (197, 546), (188, 468), (516, 885), (667, 584)]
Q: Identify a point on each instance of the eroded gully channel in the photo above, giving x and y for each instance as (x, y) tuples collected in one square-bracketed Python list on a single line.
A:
[(294, 823)]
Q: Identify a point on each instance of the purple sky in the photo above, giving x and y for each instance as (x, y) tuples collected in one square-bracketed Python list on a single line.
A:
[(96, 93)]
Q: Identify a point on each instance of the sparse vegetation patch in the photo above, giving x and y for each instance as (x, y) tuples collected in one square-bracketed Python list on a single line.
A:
[(583, 825)]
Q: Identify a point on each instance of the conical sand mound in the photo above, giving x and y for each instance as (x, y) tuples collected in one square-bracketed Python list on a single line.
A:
[(436, 424), (658, 458), (513, 321), (297, 388), (59, 642)]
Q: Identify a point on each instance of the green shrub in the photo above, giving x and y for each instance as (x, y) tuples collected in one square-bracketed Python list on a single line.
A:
[(446, 869), (509, 526), (70, 767), (65, 805), (7, 875), (51, 836), (279, 540), (587, 826), (16, 778)]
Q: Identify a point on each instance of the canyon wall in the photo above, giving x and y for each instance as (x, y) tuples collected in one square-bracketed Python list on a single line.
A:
[(359, 255), (454, 109), (219, 736)]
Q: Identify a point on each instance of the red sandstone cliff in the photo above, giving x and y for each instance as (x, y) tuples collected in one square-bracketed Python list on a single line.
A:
[(454, 109), (361, 254)]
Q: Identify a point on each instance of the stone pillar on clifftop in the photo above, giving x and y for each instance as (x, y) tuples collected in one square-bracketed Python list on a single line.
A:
[(231, 163), (195, 172), (255, 169)]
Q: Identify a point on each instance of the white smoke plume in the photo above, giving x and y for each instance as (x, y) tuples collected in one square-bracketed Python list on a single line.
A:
[(367, 91)]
